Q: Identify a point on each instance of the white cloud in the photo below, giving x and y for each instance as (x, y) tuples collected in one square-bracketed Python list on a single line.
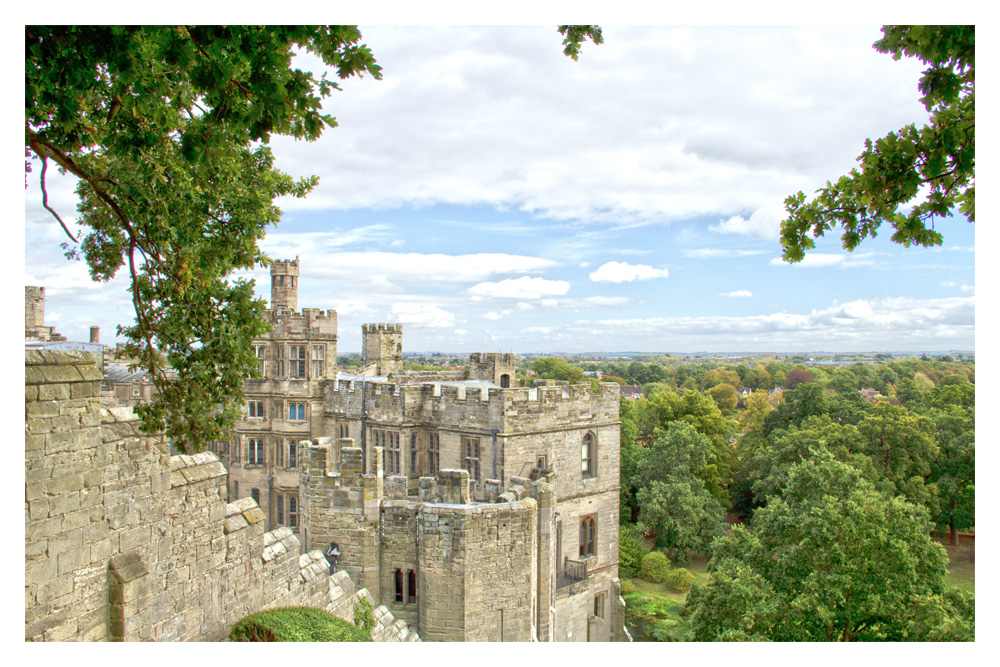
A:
[(965, 288), (421, 315), (492, 315), (708, 253), (764, 223), (821, 259), (692, 132), (857, 309), (519, 288), (619, 272), (889, 323), (741, 293), (418, 267), (397, 243), (608, 301)]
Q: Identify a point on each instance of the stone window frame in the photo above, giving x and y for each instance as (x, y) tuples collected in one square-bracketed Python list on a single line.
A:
[(471, 451), (588, 536), (433, 453), (389, 442), (279, 509), (398, 576), (413, 455), (255, 494), (279, 452), (297, 411), (260, 352), (255, 451), (588, 455), (293, 511), (293, 451), (345, 430), (318, 361), (297, 361), (411, 587), (600, 604), (279, 360), (255, 409)]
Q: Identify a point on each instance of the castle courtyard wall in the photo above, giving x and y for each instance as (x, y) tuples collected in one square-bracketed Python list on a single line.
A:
[(125, 542)]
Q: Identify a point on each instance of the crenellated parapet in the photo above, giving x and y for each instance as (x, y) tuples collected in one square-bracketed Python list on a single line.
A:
[(384, 327), (458, 405), (124, 542)]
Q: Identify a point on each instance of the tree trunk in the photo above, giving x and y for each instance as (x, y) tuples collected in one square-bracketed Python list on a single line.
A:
[(951, 526)]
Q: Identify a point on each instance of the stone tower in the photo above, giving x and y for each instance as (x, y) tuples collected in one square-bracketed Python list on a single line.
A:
[(34, 307), (383, 347), (284, 285), (497, 368)]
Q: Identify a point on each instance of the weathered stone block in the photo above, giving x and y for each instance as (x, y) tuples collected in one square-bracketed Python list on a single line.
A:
[(60, 374), (81, 389), (32, 374), (41, 410)]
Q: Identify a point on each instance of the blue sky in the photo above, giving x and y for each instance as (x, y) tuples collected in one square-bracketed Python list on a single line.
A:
[(492, 195)]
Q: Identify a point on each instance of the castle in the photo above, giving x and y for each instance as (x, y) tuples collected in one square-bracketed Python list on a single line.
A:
[(471, 509), (124, 542), (463, 508)]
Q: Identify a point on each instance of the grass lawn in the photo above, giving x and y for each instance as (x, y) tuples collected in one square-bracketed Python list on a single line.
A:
[(653, 610), (961, 564)]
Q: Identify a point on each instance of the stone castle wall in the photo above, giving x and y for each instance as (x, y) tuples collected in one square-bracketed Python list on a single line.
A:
[(475, 565), (511, 410), (125, 542)]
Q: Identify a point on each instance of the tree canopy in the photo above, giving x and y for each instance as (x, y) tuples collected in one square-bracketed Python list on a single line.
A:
[(938, 158), (832, 559), (672, 498), (167, 130)]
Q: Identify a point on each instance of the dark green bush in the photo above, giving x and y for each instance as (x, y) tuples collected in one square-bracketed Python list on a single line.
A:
[(630, 552), (295, 624), (679, 580), (655, 567)]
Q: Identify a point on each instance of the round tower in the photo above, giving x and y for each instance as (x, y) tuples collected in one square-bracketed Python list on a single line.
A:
[(285, 284)]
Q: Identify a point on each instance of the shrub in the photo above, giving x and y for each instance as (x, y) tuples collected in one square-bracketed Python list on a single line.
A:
[(679, 580), (655, 567), (630, 552), (627, 587), (364, 619), (295, 624)]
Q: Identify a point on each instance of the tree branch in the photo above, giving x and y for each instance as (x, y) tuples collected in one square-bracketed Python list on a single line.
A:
[(45, 203)]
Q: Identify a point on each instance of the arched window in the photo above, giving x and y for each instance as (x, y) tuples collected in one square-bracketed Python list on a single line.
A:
[(411, 587), (588, 537), (399, 585), (504, 381), (587, 459)]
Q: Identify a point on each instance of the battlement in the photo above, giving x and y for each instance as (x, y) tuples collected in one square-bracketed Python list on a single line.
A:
[(318, 314), (288, 267), (516, 409), (385, 327), (124, 542), (492, 357)]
